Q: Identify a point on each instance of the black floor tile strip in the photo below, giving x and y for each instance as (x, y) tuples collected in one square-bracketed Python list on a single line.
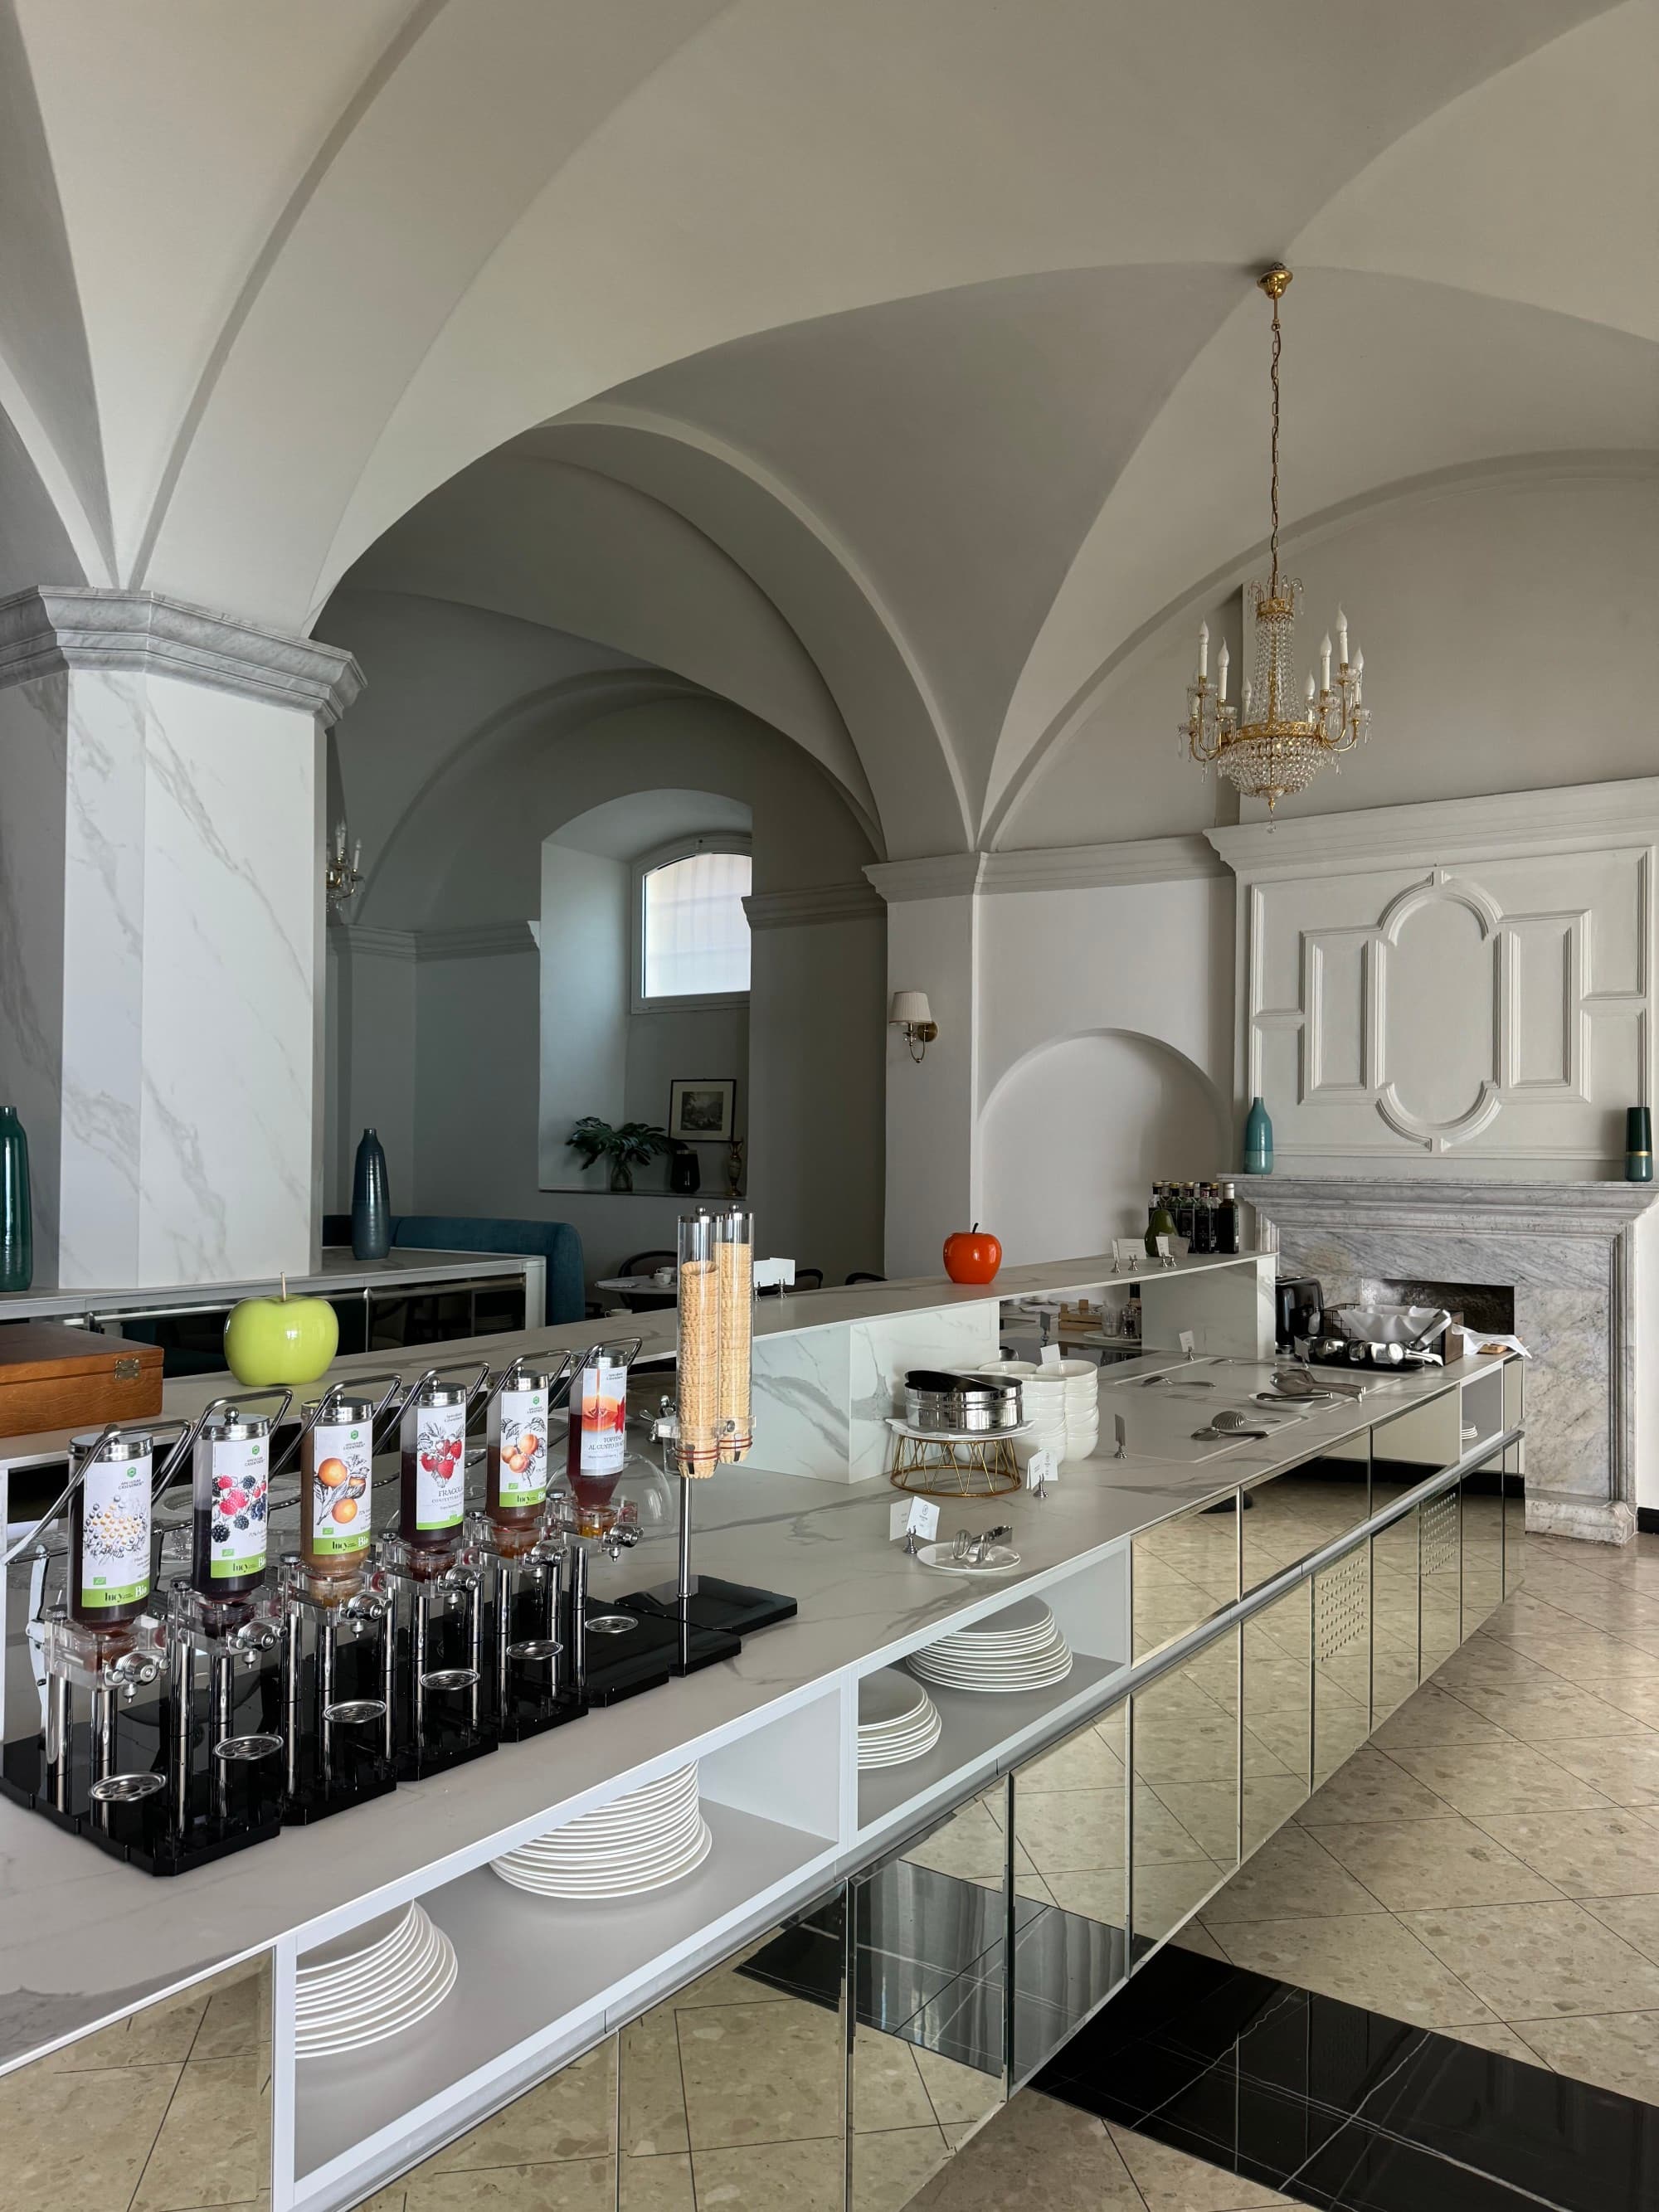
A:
[(1345, 2109)]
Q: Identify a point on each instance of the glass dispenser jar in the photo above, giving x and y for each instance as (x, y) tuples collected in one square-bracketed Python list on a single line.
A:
[(110, 1533), (432, 1438), (230, 1527), (337, 1492), (515, 1449)]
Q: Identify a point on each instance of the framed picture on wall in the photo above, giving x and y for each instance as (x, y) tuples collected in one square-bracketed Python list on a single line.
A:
[(701, 1111)]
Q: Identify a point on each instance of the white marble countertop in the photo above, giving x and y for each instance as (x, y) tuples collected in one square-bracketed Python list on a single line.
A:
[(83, 1937)]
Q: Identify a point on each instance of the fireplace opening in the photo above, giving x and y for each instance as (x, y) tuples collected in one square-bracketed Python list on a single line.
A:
[(1489, 1306)]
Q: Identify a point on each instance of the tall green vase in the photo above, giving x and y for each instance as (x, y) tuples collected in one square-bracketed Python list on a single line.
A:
[(1258, 1141), (16, 1215)]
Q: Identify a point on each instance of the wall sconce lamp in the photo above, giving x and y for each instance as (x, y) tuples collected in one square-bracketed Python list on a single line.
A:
[(912, 1013)]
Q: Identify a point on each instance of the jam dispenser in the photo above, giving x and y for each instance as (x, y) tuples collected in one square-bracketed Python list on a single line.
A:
[(435, 1675), (337, 1630), (85, 1751), (527, 1687), (223, 1702)]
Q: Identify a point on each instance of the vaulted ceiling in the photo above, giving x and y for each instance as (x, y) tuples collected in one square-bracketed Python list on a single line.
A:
[(888, 367)]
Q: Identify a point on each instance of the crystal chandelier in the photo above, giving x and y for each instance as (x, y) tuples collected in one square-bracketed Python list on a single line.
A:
[(1274, 752), (341, 879)]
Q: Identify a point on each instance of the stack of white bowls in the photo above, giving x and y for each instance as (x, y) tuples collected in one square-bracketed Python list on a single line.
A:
[(1042, 1407), (1018, 1648), (1081, 1380), (653, 1835), (897, 1720), (371, 1983)]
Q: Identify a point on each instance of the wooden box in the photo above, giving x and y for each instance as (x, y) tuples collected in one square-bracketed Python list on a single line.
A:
[(53, 1377)]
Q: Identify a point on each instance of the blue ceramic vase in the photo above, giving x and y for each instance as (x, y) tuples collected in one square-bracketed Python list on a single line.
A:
[(16, 1214), (1258, 1141), (1638, 1144), (371, 1202)]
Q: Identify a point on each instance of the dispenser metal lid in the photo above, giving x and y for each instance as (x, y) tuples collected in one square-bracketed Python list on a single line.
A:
[(230, 1424), (132, 1444)]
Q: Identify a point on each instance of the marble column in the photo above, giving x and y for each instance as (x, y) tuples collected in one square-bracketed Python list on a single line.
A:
[(932, 945), (161, 933)]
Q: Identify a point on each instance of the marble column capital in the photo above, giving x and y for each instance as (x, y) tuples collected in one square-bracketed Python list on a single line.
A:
[(51, 627)]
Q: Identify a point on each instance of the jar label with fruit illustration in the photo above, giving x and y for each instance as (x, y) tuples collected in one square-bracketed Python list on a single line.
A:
[(237, 1534), (115, 1532), (440, 1481), (340, 1498), (523, 1479), (602, 1396)]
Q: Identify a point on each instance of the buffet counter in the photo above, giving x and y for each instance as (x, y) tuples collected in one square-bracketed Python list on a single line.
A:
[(1364, 1516)]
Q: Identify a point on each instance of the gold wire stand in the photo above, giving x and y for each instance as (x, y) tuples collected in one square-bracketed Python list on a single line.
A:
[(954, 1467)]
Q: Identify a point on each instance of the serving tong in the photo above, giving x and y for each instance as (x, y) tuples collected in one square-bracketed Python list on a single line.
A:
[(973, 1551)]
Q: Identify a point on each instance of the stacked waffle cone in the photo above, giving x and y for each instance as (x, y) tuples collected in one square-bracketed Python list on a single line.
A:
[(716, 1318)]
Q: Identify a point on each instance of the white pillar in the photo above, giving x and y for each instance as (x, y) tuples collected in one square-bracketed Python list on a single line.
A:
[(161, 933), (932, 945)]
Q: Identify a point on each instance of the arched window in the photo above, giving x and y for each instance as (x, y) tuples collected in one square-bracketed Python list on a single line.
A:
[(693, 932)]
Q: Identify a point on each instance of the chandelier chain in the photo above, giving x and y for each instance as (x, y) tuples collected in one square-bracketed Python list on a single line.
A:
[(1273, 588)]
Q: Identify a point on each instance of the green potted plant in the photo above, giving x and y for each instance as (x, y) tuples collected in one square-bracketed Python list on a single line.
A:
[(628, 1146)]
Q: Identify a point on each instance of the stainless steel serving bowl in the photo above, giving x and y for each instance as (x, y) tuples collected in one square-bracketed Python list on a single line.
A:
[(970, 1405)]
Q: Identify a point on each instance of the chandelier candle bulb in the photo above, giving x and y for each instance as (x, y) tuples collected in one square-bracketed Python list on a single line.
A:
[(1222, 665), (1342, 637), (1325, 663), (1204, 650)]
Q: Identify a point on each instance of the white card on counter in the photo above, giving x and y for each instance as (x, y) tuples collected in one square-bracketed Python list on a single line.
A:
[(1163, 1251), (1049, 1356), (1186, 1344), (1042, 1467), (920, 1517), (1126, 1250)]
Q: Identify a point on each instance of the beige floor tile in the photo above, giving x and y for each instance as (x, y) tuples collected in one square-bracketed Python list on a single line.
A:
[(888, 2169), (1625, 1768), (1292, 1873), (1635, 1919), (238, 2016), (78, 2143), (160, 2035), (1498, 2035), (969, 1845), (1084, 1761), (1635, 1692), (1185, 1746), (1541, 1710), (960, 2095), (1370, 1787), (1066, 1831), (567, 2118), (1208, 1811), (887, 2092), (653, 2094), (793, 2177), (1490, 1660), (1102, 1896), (1615, 2051), (1414, 1865), (1164, 1895), (1528, 1961), (572, 2185), (761, 2074), (1196, 1936), (1613, 1853), (214, 2147), (1079, 2166), (1432, 1715), (1477, 1778), (1369, 1959), (1169, 2181), (656, 2185), (1269, 1801)]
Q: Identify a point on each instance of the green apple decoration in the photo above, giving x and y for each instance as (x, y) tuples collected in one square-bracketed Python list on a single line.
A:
[(282, 1340)]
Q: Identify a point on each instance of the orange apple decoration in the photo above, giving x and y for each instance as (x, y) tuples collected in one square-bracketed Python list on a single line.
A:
[(972, 1255)]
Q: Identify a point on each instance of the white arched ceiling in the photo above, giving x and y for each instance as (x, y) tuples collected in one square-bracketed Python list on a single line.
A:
[(276, 275)]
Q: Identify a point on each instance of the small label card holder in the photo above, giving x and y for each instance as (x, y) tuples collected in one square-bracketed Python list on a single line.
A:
[(1040, 1469), (1128, 1251), (919, 1518), (1049, 1356)]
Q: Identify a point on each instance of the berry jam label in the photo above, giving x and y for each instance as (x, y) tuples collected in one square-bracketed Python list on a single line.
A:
[(440, 1455), (237, 1536), (602, 1396), (523, 1477), (340, 1502), (115, 1532)]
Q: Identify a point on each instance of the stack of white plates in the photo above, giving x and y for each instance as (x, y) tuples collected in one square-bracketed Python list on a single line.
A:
[(372, 1983), (897, 1720), (653, 1835), (1019, 1649)]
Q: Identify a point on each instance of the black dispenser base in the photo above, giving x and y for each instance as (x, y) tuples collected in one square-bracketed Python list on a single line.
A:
[(621, 1664), (733, 1609)]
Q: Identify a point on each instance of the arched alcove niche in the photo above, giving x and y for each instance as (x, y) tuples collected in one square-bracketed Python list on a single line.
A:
[(1075, 1133)]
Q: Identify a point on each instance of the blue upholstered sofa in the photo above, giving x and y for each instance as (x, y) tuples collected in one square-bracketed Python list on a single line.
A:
[(556, 1241)]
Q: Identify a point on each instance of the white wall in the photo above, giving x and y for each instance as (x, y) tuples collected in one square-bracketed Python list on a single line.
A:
[(581, 1053)]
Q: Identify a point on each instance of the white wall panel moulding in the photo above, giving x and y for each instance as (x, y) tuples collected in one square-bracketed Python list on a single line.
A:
[(51, 627), (478, 940), (942, 875), (381, 944), (816, 903), (1095, 867), (1574, 819)]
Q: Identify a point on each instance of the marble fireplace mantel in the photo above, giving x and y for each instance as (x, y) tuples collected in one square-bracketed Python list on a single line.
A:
[(1568, 1251)]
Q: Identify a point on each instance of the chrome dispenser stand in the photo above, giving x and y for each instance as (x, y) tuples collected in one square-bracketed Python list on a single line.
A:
[(224, 1771), (528, 1686), (335, 1631)]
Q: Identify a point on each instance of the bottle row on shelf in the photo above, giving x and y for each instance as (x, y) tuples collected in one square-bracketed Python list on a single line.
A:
[(1196, 1217)]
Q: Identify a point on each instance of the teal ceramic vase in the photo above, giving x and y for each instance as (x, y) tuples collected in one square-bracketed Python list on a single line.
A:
[(16, 1214), (1258, 1141), (371, 1202)]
